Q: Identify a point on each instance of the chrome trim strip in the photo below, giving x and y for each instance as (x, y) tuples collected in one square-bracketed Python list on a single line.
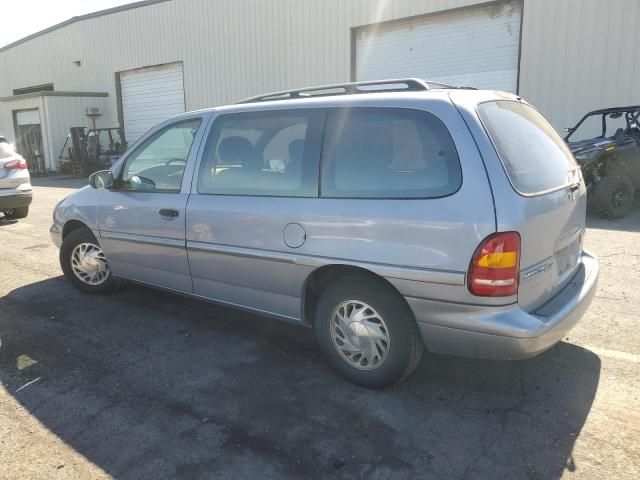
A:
[(443, 277), (242, 252), (128, 237)]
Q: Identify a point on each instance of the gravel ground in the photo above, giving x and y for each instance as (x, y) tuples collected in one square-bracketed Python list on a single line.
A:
[(146, 385)]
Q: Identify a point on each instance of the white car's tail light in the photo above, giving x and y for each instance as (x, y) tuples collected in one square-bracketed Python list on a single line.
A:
[(19, 164)]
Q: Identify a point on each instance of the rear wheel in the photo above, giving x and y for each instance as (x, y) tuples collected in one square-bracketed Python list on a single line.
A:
[(614, 196), (84, 263), (367, 332), (16, 213)]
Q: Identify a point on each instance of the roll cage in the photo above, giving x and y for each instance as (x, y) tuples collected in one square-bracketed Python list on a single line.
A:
[(632, 117)]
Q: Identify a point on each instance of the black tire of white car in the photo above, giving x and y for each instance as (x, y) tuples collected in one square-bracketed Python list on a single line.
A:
[(71, 241), (16, 213), (405, 344), (614, 196)]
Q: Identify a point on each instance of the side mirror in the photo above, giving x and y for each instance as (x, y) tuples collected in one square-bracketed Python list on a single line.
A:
[(101, 179)]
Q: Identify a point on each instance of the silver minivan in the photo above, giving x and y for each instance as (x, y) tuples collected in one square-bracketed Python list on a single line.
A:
[(387, 215)]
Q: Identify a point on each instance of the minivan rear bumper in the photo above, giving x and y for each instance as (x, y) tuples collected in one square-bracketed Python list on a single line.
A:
[(506, 333)]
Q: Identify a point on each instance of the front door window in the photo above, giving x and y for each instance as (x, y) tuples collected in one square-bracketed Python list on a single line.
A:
[(158, 164)]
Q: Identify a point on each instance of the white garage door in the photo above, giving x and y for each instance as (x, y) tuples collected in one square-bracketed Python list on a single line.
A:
[(476, 47), (28, 117), (149, 96)]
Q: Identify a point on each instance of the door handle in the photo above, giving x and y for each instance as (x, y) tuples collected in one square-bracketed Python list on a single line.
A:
[(574, 187), (168, 212)]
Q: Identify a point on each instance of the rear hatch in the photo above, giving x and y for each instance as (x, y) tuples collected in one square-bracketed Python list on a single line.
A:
[(545, 201)]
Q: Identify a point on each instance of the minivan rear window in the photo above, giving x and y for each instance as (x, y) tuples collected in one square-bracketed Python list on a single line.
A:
[(534, 156), (388, 153)]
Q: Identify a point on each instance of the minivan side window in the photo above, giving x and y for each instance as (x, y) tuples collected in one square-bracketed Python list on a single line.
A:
[(267, 153), (158, 164), (534, 156), (388, 153)]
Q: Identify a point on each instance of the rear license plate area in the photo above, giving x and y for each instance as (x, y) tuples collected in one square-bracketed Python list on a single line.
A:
[(567, 257)]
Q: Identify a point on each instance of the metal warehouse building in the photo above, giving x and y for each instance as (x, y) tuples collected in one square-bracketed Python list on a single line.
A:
[(138, 64)]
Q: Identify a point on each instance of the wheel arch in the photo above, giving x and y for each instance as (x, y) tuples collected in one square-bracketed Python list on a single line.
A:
[(72, 225), (322, 277)]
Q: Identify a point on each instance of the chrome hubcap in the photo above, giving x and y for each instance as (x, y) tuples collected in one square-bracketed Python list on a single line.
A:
[(360, 335), (89, 264)]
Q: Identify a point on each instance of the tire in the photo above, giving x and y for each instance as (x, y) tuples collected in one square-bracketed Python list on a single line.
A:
[(16, 213), (376, 367), (95, 279), (614, 196)]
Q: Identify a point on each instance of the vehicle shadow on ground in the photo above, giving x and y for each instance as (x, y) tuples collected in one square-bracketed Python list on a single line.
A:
[(630, 223), (149, 385), (4, 222)]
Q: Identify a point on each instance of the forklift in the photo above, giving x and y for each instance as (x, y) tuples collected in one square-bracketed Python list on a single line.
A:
[(91, 149)]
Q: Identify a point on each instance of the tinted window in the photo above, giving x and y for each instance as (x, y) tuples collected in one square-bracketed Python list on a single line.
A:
[(158, 164), (388, 153), (535, 157), (263, 153)]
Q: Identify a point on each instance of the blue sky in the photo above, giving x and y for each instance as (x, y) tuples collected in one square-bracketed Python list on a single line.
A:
[(24, 17)]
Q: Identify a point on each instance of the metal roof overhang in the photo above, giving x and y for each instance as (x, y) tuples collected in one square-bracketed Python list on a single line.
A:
[(53, 94)]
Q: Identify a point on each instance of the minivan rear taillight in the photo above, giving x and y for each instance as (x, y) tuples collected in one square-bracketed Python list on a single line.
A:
[(495, 266), (19, 164)]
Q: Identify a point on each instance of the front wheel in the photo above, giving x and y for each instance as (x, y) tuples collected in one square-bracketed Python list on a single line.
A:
[(367, 332), (84, 263)]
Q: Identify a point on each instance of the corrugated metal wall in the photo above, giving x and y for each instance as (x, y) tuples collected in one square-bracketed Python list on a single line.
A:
[(62, 113), (57, 115), (576, 54)]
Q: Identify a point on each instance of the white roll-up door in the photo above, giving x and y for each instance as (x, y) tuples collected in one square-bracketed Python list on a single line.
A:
[(28, 117), (476, 47), (149, 96)]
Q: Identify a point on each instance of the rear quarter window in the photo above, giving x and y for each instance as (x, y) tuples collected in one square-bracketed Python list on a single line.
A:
[(388, 153), (534, 156)]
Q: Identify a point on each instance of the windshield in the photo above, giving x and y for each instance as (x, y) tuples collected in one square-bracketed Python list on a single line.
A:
[(535, 158), (6, 150)]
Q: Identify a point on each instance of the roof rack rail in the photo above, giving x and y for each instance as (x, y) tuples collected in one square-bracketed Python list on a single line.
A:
[(445, 85), (392, 85)]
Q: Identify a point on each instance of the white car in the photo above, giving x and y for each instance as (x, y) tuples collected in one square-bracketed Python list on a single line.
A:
[(15, 183)]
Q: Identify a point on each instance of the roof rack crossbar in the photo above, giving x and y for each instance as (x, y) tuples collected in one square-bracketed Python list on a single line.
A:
[(392, 85)]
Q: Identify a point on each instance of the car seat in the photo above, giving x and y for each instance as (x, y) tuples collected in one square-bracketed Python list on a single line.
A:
[(238, 151), (619, 135)]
